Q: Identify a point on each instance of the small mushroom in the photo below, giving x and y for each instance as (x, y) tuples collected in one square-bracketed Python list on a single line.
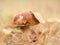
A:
[(25, 18)]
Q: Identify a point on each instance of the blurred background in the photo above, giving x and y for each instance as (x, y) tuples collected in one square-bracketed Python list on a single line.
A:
[(47, 8)]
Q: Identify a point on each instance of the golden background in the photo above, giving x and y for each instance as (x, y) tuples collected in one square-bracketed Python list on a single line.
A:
[(47, 8)]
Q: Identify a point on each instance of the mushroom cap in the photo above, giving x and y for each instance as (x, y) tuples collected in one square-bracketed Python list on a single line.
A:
[(39, 17), (25, 18)]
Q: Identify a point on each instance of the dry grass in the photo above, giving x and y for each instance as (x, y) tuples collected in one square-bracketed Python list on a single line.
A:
[(35, 35)]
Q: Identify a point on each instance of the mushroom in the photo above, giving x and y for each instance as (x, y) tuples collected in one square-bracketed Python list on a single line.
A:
[(25, 18)]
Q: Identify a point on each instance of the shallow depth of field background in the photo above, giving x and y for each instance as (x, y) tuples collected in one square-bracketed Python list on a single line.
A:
[(47, 8)]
